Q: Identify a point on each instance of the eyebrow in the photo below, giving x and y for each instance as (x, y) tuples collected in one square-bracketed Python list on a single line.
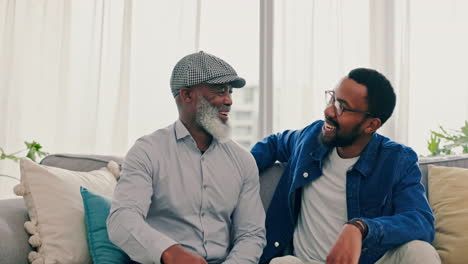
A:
[(221, 88), (343, 102)]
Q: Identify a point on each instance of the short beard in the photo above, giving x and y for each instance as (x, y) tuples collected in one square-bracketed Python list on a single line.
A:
[(342, 141), (207, 117)]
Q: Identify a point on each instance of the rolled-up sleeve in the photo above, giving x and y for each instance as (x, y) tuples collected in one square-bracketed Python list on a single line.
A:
[(126, 223), (248, 221)]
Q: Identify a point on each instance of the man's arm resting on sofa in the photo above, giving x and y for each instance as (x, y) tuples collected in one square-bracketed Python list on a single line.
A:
[(276, 147)]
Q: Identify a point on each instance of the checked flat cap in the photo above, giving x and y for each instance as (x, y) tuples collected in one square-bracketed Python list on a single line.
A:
[(200, 68)]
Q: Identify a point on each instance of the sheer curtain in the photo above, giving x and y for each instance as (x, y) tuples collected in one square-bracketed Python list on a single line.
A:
[(88, 76), (438, 55), (419, 45), (63, 75), (315, 44), (162, 33)]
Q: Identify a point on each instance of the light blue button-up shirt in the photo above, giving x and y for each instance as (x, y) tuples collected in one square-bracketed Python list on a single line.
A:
[(170, 193)]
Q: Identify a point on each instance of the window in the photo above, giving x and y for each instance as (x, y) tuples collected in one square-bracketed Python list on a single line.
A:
[(230, 30), (438, 53), (315, 44)]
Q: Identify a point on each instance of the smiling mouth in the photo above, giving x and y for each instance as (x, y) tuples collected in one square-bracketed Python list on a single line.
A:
[(224, 115), (328, 130), (330, 127)]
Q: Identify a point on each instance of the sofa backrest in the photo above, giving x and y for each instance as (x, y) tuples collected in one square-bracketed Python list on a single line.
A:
[(460, 161), (78, 162), (268, 179)]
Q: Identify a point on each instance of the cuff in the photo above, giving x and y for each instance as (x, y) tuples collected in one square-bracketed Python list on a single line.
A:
[(163, 244), (374, 233)]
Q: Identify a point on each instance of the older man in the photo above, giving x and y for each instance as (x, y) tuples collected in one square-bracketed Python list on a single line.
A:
[(188, 193)]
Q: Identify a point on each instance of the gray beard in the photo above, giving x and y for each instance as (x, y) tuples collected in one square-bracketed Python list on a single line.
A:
[(207, 117)]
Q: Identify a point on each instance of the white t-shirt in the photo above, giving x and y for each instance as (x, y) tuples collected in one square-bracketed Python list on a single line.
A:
[(323, 210)]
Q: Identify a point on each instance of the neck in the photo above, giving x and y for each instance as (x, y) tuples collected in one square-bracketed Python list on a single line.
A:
[(201, 137), (355, 149)]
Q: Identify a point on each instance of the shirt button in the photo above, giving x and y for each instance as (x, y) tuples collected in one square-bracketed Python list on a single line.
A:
[(206, 242), (305, 174), (276, 244), (203, 214), (205, 187)]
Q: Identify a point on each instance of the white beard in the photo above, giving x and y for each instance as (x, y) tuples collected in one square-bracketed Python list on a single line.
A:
[(207, 117)]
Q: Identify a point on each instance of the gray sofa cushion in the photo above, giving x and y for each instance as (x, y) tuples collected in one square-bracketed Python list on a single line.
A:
[(14, 246), (268, 181), (460, 161)]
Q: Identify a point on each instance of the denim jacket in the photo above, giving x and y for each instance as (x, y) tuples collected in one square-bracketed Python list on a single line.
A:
[(383, 189)]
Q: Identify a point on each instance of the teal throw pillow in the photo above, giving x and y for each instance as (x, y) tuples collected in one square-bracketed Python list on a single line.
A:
[(101, 249)]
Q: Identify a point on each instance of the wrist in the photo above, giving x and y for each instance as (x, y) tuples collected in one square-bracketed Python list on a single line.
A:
[(169, 253), (359, 224)]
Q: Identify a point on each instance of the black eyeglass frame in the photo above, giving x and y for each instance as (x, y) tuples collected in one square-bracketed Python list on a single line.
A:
[(339, 108)]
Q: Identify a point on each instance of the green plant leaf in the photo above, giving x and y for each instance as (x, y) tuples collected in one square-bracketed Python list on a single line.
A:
[(34, 150), (447, 141), (464, 130), (433, 145)]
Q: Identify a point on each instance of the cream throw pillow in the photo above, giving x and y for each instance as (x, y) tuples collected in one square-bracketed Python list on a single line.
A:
[(55, 207), (448, 196)]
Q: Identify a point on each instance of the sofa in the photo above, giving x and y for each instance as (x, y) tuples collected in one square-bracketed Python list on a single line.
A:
[(14, 247)]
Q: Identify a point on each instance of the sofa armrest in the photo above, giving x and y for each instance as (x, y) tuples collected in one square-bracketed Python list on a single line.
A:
[(14, 246)]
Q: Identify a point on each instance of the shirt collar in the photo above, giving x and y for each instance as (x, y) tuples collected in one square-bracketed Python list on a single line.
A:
[(180, 130), (366, 160)]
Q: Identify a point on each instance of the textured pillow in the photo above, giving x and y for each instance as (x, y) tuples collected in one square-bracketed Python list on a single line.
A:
[(102, 250), (448, 196), (52, 197)]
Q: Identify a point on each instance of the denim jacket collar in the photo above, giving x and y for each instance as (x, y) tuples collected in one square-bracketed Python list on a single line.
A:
[(366, 160)]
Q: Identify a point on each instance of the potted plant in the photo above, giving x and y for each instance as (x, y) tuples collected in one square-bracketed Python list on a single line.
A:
[(448, 142), (33, 152)]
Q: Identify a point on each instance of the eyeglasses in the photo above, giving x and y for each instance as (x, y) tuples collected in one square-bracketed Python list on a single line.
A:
[(339, 108)]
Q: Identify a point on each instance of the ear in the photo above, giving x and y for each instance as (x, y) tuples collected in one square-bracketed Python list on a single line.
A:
[(373, 124), (186, 95)]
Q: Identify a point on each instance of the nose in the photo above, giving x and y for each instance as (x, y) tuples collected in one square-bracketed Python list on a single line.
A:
[(330, 111), (228, 99)]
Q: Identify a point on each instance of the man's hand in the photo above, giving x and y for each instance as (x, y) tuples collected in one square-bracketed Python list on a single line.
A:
[(347, 248), (176, 254)]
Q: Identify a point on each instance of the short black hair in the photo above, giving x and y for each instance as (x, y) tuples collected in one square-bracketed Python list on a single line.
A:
[(381, 98)]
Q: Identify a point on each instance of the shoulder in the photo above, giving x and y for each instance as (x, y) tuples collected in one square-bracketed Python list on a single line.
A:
[(310, 131), (403, 152), (309, 134), (239, 154), (151, 144)]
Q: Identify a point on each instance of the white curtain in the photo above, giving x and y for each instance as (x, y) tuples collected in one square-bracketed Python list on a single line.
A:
[(162, 33), (315, 44), (419, 45), (88, 76), (63, 76), (438, 55)]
